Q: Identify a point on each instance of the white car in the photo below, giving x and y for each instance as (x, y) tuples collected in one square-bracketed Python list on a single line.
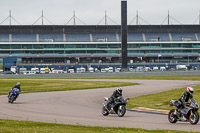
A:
[(117, 69), (42, 70), (103, 70), (71, 70), (91, 69), (110, 69)]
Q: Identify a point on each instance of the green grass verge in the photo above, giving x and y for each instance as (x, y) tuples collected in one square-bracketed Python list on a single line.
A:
[(181, 77), (161, 100), (1, 66), (10, 126), (28, 86)]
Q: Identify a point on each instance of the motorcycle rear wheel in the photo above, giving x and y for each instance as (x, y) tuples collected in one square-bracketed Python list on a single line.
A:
[(121, 111), (194, 118), (171, 117), (105, 111)]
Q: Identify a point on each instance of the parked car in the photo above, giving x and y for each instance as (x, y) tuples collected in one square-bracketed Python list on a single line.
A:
[(155, 68), (13, 69), (80, 70), (172, 69), (103, 70), (162, 68), (36, 70), (71, 70), (57, 71), (181, 67), (91, 69), (117, 69), (1, 71), (110, 69), (42, 70), (22, 70)]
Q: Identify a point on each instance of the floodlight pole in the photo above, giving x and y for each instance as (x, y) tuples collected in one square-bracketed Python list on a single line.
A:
[(124, 35), (137, 18), (10, 16), (105, 17), (42, 18), (168, 17), (74, 18)]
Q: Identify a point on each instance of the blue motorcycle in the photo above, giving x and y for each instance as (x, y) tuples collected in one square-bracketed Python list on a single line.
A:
[(13, 95)]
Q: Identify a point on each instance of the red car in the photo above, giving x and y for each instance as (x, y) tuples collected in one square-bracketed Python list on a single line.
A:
[(172, 69)]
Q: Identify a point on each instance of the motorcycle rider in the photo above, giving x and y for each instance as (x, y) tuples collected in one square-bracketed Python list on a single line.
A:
[(16, 86), (117, 93), (185, 97)]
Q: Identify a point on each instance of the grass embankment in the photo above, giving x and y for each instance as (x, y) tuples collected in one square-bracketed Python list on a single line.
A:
[(28, 86), (1, 66), (181, 77), (8, 126), (161, 100)]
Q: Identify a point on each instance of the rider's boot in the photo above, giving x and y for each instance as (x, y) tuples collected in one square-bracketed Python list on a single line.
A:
[(176, 112)]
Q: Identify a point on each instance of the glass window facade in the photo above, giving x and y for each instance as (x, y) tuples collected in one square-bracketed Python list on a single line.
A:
[(99, 48)]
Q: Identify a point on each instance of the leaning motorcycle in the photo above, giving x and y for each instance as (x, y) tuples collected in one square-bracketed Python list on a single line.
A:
[(189, 113), (13, 95), (118, 107)]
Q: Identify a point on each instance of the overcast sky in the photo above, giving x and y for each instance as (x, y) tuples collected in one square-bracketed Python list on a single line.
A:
[(91, 12)]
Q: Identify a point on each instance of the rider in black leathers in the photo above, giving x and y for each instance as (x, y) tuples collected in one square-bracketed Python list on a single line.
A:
[(117, 93), (16, 86), (185, 97)]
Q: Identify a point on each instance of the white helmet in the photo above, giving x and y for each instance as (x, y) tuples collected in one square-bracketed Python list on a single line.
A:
[(18, 84), (190, 90), (119, 89)]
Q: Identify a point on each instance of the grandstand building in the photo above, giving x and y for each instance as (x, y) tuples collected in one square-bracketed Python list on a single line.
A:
[(65, 44)]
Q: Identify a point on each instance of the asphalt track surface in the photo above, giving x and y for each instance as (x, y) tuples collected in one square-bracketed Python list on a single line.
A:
[(83, 107)]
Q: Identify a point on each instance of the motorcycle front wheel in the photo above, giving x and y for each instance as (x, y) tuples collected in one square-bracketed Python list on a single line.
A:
[(121, 111), (8, 100), (194, 117), (12, 98), (171, 117), (104, 111)]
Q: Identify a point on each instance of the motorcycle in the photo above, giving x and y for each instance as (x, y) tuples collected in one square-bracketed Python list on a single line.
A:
[(13, 95), (189, 113), (118, 107)]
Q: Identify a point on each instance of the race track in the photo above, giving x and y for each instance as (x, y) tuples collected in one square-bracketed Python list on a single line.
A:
[(83, 107)]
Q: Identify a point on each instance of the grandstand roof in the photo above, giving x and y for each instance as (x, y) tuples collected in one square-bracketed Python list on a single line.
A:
[(96, 28)]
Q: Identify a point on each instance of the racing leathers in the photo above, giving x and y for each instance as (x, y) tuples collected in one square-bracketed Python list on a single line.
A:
[(17, 87), (115, 95), (185, 97)]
